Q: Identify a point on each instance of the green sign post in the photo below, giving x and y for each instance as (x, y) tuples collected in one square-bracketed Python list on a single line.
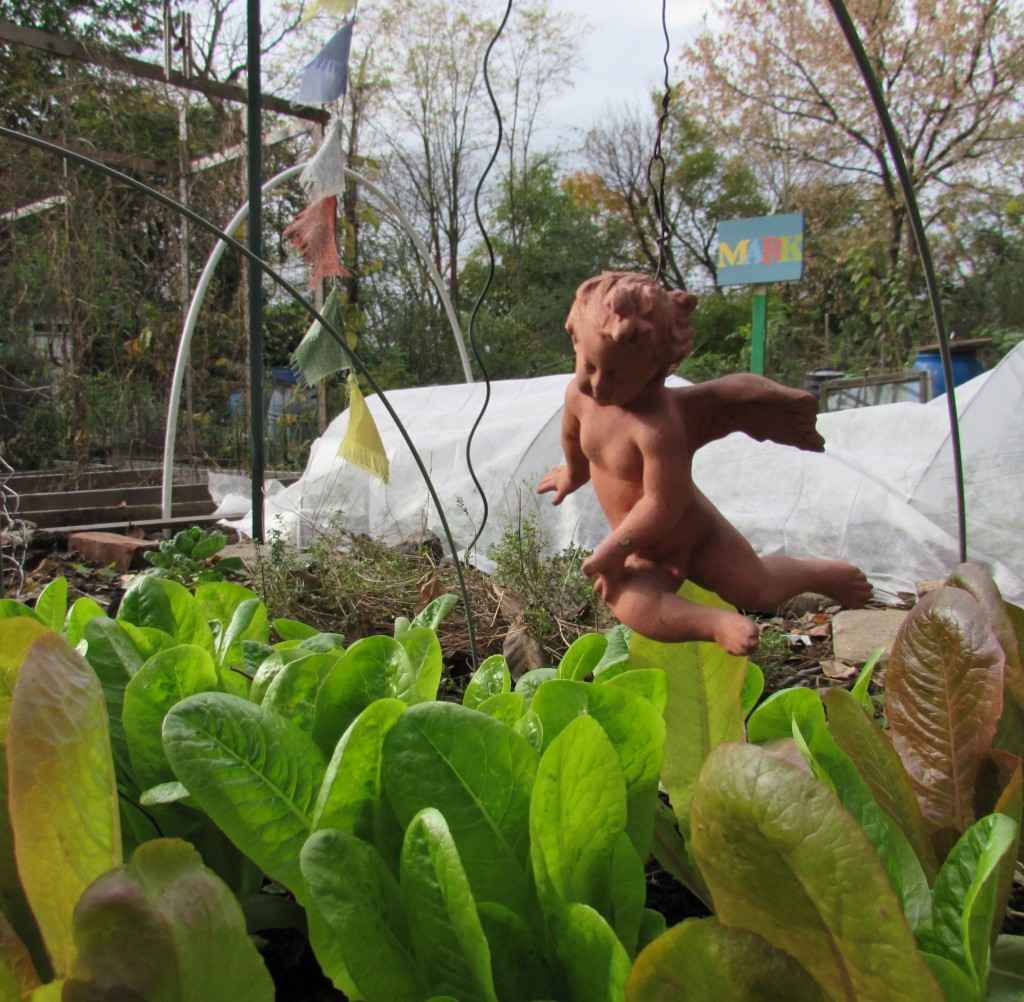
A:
[(759, 330), (757, 252)]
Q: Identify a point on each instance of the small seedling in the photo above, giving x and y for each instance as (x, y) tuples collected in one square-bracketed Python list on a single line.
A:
[(188, 558)]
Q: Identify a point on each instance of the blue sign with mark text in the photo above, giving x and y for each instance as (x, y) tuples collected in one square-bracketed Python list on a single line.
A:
[(761, 250)]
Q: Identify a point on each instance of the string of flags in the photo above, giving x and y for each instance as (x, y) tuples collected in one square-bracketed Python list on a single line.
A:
[(314, 235)]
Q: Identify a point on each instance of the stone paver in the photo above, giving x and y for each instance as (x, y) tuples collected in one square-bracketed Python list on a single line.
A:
[(858, 633)]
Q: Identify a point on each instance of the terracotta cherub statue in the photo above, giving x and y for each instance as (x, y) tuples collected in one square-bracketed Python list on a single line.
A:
[(623, 428)]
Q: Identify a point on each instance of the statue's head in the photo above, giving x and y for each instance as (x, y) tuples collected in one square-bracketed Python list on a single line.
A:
[(633, 310)]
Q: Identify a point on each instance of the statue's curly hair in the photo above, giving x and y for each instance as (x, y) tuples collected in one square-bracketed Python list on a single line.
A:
[(638, 311)]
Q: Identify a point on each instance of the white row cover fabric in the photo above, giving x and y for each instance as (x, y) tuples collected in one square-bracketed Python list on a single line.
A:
[(882, 496)]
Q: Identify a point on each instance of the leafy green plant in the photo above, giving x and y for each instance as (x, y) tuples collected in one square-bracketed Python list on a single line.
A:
[(492, 849), (495, 849), (188, 558), (164, 643), (74, 915), (882, 872)]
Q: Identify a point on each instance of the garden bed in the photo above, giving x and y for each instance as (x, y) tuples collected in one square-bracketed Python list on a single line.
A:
[(797, 643)]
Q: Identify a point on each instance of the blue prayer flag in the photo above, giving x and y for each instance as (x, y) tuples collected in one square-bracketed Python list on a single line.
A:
[(325, 78)]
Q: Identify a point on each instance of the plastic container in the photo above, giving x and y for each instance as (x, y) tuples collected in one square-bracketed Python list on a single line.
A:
[(963, 358)]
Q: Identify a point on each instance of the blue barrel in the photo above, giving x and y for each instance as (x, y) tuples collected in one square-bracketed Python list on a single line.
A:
[(963, 358)]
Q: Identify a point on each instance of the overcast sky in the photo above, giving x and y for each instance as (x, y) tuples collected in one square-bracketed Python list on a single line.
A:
[(622, 55)]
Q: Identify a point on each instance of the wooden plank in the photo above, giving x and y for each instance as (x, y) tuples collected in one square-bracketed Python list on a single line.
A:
[(108, 497), (46, 482), (99, 55), (148, 525), (133, 515)]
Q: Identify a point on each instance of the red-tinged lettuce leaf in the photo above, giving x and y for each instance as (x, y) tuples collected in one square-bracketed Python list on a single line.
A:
[(1007, 622), (944, 697), (701, 960), (16, 961), (977, 581), (17, 635), (964, 898), (705, 703), (833, 766), (444, 926), (61, 787), (164, 927), (882, 769), (784, 860), (479, 772), (1010, 734), (253, 772), (1015, 676), (358, 927)]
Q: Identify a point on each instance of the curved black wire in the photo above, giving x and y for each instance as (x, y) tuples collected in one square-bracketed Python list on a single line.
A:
[(487, 283), (921, 240), (267, 269), (658, 188)]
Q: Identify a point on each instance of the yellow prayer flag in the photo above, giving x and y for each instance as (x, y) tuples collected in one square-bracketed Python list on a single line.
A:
[(361, 444), (342, 8)]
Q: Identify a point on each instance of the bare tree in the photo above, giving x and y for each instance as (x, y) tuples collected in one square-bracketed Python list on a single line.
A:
[(535, 59), (433, 53), (702, 186), (777, 80)]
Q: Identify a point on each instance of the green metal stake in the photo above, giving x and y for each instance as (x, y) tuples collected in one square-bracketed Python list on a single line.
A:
[(759, 330)]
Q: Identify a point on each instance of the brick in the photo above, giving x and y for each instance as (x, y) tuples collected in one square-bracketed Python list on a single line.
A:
[(111, 548)]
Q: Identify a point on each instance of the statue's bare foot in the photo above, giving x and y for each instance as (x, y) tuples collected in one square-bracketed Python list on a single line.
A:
[(847, 584), (737, 635)]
